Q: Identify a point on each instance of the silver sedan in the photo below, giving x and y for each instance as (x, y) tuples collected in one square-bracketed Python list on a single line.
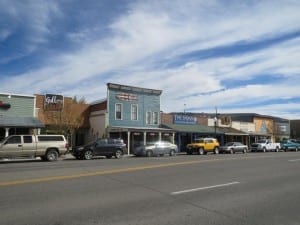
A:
[(233, 147), (156, 148)]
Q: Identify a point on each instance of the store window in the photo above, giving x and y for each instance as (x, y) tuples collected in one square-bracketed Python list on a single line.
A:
[(134, 112), (118, 111)]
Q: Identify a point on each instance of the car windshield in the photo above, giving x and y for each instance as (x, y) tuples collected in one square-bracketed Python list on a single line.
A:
[(261, 141), (229, 144)]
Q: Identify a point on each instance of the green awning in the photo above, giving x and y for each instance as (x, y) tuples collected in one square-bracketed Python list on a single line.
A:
[(27, 122)]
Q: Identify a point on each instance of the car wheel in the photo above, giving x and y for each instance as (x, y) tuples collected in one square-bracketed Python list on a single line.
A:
[(88, 154), (201, 151), (149, 153), (52, 155), (172, 153), (277, 149), (244, 150), (118, 154), (264, 149), (296, 149), (231, 151), (216, 150)]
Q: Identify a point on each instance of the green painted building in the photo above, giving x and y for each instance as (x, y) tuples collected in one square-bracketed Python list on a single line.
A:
[(18, 115)]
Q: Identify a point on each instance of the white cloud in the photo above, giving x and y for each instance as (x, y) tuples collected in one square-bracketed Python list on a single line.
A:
[(152, 34)]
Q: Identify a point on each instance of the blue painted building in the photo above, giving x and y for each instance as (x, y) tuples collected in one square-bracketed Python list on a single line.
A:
[(130, 113)]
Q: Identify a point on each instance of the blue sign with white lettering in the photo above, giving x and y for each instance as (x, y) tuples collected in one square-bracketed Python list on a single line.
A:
[(184, 119)]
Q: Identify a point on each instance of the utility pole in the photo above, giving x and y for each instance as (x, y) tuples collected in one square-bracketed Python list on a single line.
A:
[(216, 121)]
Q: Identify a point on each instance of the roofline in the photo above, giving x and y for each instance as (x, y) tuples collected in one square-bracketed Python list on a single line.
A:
[(133, 88), (98, 101), (18, 95)]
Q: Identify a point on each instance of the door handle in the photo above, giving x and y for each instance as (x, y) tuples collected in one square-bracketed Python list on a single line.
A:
[(19, 145)]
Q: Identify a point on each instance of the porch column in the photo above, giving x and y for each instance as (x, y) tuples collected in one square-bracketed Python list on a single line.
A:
[(128, 141), (6, 132), (145, 137)]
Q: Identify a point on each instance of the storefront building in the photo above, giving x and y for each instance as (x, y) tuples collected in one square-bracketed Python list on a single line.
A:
[(130, 113), (18, 115), (189, 126), (265, 127), (64, 115)]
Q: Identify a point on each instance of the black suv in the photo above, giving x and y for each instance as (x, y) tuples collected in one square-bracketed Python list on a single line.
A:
[(100, 147)]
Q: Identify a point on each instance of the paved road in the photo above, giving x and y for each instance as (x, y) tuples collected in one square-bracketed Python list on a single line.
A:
[(255, 188)]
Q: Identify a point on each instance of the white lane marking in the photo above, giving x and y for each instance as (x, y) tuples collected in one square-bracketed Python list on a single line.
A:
[(204, 188), (294, 160)]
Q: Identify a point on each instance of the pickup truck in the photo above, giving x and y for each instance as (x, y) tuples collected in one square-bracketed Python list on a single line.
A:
[(47, 147), (264, 146), (203, 145)]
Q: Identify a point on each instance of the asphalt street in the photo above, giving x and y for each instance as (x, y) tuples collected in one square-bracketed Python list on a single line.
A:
[(239, 189)]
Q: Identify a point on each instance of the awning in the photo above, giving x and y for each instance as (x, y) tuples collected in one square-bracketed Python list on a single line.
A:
[(185, 128), (231, 131), (139, 129), (27, 122)]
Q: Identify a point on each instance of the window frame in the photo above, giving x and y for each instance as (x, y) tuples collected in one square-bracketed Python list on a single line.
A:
[(155, 116), (134, 114), (121, 111), (148, 118)]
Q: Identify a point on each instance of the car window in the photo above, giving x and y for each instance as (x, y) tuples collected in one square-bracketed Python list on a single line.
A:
[(27, 139), (111, 141), (50, 138), (101, 141), (14, 140)]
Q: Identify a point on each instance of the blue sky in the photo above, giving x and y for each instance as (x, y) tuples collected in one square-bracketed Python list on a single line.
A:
[(238, 56)]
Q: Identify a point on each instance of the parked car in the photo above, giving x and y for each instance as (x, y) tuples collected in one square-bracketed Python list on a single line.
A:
[(156, 148), (203, 145), (233, 147), (289, 145), (47, 147), (265, 145), (100, 147)]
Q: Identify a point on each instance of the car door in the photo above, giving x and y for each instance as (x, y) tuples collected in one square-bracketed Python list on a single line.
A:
[(209, 145), (29, 146), (11, 147), (111, 147), (101, 147)]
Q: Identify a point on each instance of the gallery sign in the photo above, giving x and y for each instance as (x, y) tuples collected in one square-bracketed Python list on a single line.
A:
[(53, 102), (184, 119)]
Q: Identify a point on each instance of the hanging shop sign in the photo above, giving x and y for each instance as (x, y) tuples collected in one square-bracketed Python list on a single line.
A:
[(184, 119), (53, 102), (126, 97), (4, 106)]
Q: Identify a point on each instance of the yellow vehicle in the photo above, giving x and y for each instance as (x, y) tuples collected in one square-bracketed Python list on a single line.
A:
[(203, 145)]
